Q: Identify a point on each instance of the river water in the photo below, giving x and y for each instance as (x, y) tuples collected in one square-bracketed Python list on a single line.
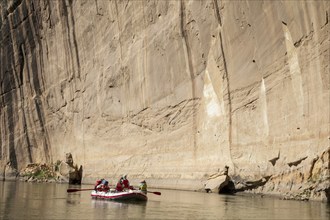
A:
[(21, 200)]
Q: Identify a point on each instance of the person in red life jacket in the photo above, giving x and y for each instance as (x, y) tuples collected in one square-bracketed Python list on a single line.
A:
[(105, 186), (97, 184), (119, 186), (125, 182)]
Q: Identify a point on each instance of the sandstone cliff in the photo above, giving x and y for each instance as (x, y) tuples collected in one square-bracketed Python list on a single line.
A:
[(169, 91)]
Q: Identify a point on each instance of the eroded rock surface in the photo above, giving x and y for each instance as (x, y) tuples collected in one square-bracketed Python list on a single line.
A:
[(60, 171), (68, 171), (220, 183), (167, 91)]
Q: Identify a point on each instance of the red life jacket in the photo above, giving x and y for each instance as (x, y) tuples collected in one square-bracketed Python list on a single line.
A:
[(126, 183), (119, 187), (98, 182), (105, 188)]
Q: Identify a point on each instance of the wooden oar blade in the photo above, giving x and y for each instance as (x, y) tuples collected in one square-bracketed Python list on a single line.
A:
[(72, 190), (76, 190), (156, 193)]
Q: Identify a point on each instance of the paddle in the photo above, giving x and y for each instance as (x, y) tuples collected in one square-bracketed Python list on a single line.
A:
[(156, 193), (76, 190)]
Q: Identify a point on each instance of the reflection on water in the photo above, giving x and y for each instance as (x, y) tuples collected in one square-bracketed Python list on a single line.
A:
[(20, 200), (119, 210)]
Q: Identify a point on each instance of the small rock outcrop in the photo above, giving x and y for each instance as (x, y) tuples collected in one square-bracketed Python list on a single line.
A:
[(10, 173), (243, 185), (219, 182), (61, 171), (68, 171)]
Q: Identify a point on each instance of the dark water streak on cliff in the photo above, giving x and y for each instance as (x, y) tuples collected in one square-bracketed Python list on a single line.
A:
[(22, 50), (190, 68), (67, 23), (8, 92), (226, 76)]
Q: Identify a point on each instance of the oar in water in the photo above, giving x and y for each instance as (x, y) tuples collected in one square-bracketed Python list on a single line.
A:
[(77, 190), (156, 193)]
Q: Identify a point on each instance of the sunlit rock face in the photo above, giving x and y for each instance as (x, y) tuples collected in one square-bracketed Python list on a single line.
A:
[(167, 91)]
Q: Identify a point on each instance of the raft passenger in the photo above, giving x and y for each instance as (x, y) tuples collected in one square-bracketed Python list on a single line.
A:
[(119, 186), (125, 182), (143, 186), (97, 184)]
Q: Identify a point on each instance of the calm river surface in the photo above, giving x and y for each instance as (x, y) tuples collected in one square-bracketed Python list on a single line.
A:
[(21, 200)]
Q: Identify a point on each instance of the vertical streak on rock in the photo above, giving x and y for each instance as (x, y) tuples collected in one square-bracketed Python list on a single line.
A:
[(263, 104), (186, 45), (49, 13), (9, 100), (36, 25), (119, 33), (218, 17), (125, 89), (66, 29), (190, 69), (1, 136), (34, 44), (41, 119), (74, 56), (74, 38), (11, 132), (97, 7), (1, 74), (1, 122), (295, 72), (18, 72), (145, 59), (21, 90), (37, 74)]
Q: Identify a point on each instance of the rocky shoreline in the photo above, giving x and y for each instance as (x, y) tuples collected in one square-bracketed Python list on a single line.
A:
[(58, 172), (221, 183), (315, 188)]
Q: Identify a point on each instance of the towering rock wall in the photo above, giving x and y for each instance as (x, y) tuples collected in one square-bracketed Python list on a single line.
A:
[(170, 91)]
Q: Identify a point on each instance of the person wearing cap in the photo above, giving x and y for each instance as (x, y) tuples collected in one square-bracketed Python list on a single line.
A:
[(105, 185), (102, 185), (143, 186)]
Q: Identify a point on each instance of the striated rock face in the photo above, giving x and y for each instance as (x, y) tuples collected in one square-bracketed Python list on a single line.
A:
[(167, 91)]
